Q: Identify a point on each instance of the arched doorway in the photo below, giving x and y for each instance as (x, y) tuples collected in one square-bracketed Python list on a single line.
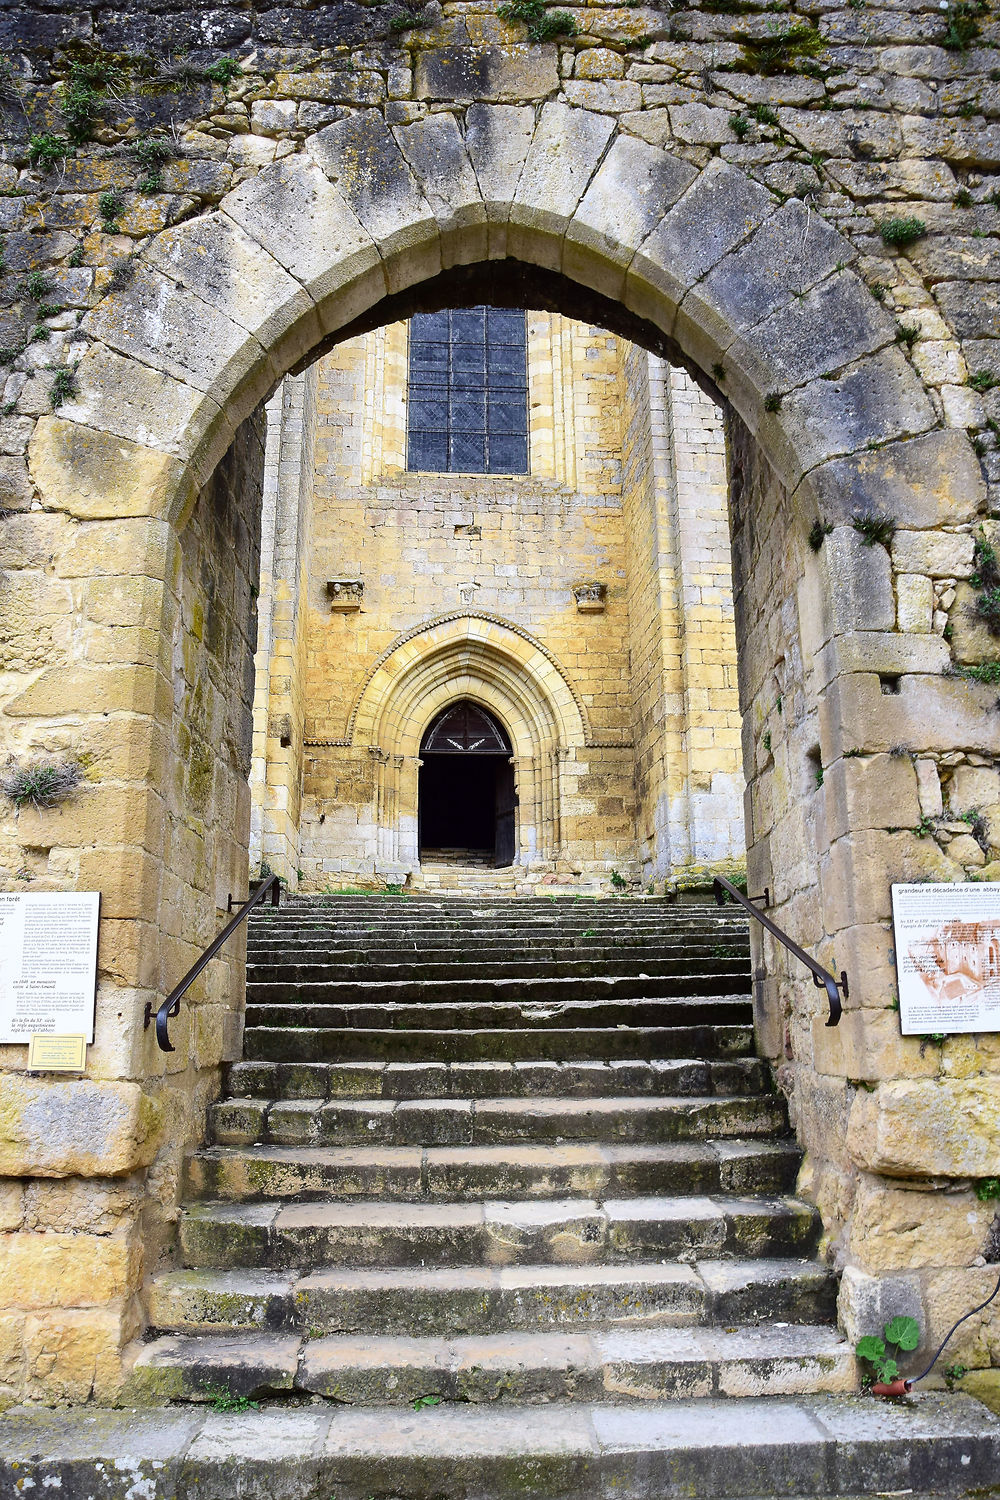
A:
[(466, 796)]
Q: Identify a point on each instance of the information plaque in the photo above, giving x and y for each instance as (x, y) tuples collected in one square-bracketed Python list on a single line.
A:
[(48, 964), (947, 957)]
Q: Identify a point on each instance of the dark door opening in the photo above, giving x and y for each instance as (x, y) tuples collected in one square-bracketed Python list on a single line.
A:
[(466, 796)]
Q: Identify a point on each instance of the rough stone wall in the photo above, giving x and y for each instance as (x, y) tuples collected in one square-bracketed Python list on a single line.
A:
[(692, 169)]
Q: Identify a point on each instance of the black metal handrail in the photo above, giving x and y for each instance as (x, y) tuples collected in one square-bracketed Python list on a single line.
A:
[(822, 978), (172, 1003)]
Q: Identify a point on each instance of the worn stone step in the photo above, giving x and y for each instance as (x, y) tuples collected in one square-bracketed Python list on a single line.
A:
[(492, 1232), (431, 1011), (455, 1173), (615, 944), (650, 1364), (341, 1044), (710, 991), (677, 975), (480, 1080), (407, 1122), (808, 1446), (484, 1299)]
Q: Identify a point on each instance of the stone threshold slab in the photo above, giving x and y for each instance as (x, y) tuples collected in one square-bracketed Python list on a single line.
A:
[(719, 1450)]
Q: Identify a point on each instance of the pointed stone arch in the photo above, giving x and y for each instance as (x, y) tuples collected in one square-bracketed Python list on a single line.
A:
[(500, 666)]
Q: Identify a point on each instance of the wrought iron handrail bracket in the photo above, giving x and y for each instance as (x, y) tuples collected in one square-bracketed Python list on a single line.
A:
[(822, 978), (172, 1004)]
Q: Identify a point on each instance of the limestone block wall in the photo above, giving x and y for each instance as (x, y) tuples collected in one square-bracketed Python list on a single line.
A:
[(90, 1167), (899, 1130)]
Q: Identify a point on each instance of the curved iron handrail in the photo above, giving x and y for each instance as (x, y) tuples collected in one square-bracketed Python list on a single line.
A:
[(822, 978), (172, 1004)]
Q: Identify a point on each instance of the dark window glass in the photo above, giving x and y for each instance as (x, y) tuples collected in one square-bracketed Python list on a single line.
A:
[(468, 392)]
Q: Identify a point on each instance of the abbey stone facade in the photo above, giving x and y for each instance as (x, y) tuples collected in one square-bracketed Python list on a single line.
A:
[(584, 600), (798, 208)]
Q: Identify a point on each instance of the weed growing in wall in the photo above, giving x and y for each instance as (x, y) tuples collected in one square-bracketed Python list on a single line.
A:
[(902, 231), (874, 527), (986, 581), (962, 26), (40, 783), (542, 24)]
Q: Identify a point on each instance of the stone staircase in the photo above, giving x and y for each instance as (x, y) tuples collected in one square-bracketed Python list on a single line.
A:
[(501, 1198)]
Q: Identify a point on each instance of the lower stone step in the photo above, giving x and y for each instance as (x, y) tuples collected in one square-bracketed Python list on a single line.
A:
[(490, 1080), (652, 1364), (456, 1173), (488, 1299), (543, 1232), (808, 1446), (468, 1122)]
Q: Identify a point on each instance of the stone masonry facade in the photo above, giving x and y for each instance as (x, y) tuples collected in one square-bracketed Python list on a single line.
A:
[(626, 491), (799, 207)]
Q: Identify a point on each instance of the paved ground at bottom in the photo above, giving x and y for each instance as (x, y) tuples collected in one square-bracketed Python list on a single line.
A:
[(836, 1446)]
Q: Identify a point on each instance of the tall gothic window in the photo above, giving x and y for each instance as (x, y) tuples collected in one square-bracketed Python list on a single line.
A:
[(468, 392)]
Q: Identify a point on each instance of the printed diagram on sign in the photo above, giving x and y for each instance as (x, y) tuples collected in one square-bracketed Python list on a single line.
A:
[(959, 961)]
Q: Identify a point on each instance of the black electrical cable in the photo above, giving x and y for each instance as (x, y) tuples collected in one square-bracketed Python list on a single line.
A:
[(912, 1379)]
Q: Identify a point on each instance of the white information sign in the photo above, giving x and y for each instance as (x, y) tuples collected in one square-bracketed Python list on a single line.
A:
[(48, 964), (948, 957)]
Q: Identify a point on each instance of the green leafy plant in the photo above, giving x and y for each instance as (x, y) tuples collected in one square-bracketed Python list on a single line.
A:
[(817, 532), (907, 334), (984, 671), (924, 827), (772, 402), (63, 387), (764, 114), (223, 71), (37, 285), (152, 152), (962, 24), (618, 881), (420, 1403), (739, 124), (718, 373), (225, 1401), (984, 380), (784, 49), (874, 527), (110, 206), (879, 289), (988, 1188), (81, 97), (75, 258), (542, 24), (46, 149), (902, 231), (986, 581), (901, 1335), (963, 198), (40, 783)]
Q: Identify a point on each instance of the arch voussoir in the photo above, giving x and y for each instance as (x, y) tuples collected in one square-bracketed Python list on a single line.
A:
[(294, 211), (437, 156), (362, 158), (626, 198), (564, 153)]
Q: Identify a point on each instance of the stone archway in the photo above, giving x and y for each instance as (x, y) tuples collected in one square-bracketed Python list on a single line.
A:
[(498, 665), (829, 418)]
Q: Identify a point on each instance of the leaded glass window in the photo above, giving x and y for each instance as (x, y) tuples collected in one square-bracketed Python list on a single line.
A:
[(468, 392)]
